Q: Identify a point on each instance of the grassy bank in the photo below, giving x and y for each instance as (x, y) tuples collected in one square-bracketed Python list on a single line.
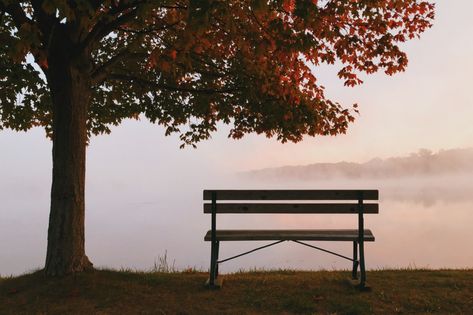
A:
[(278, 292)]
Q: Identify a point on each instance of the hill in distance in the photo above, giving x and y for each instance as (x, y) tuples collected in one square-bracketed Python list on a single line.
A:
[(424, 163)]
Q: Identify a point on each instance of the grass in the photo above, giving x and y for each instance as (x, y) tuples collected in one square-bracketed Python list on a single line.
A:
[(255, 292)]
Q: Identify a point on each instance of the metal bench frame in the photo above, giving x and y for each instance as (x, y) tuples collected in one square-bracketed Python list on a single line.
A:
[(358, 244)]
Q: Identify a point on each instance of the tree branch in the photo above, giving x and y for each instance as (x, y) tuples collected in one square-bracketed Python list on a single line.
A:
[(155, 85), (16, 12), (100, 73), (101, 29), (45, 21), (123, 6), (125, 11), (149, 30)]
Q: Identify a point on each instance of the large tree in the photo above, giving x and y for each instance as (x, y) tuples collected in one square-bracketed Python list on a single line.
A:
[(186, 65)]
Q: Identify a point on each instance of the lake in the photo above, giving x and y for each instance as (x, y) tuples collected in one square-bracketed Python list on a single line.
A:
[(132, 221)]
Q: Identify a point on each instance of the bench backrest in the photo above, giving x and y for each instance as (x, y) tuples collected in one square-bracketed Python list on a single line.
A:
[(245, 198)]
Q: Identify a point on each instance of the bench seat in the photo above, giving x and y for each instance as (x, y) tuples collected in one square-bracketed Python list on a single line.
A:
[(289, 235)]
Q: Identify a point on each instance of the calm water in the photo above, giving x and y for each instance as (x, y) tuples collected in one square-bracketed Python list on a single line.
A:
[(422, 223)]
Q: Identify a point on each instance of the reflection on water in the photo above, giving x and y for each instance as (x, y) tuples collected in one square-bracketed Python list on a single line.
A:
[(423, 223)]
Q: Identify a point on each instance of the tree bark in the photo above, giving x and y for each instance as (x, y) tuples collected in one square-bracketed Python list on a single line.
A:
[(69, 82)]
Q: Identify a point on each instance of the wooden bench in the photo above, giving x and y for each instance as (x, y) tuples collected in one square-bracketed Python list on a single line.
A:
[(290, 202)]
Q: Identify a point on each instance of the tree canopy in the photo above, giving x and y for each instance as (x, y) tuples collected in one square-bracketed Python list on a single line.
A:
[(187, 64)]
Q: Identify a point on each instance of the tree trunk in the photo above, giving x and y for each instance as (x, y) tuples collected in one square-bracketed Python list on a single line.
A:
[(69, 82)]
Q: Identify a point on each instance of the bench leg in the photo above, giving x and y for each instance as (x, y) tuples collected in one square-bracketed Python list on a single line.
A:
[(354, 273), (362, 265), (217, 245), (213, 262)]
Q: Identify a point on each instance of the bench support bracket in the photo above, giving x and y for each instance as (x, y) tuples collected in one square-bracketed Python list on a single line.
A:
[(354, 260), (323, 250), (248, 252)]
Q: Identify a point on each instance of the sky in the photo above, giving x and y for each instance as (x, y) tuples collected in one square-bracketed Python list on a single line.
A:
[(136, 167)]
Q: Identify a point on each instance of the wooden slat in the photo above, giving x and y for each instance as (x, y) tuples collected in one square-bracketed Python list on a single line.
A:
[(290, 208), (292, 194), (300, 235)]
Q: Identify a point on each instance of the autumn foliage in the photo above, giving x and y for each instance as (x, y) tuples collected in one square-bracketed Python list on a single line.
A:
[(189, 64)]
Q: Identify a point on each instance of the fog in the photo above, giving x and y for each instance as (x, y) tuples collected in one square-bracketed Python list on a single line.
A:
[(423, 177), (141, 203), (423, 163)]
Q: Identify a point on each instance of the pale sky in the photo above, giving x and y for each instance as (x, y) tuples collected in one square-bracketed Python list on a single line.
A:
[(429, 106)]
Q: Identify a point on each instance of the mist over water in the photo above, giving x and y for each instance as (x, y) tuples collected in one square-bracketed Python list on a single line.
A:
[(136, 214), (426, 203)]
